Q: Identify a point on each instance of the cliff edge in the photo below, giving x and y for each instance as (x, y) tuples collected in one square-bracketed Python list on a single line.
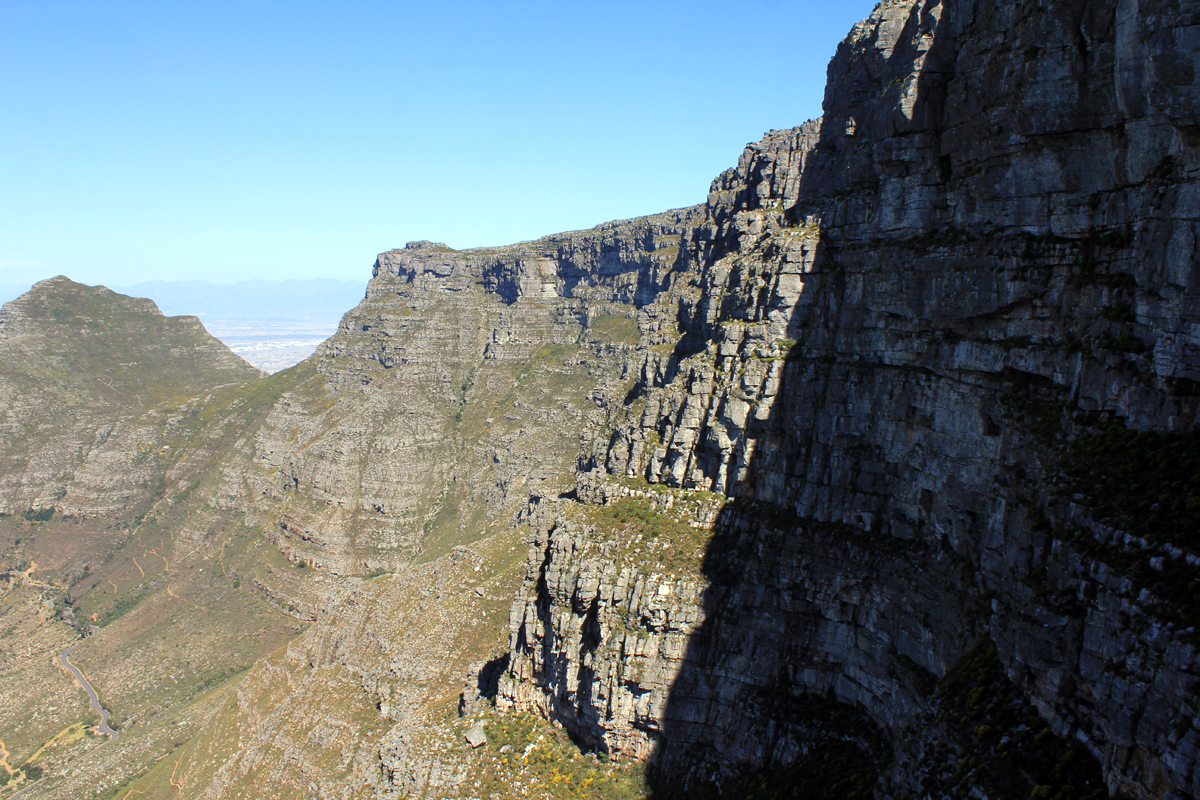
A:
[(938, 362)]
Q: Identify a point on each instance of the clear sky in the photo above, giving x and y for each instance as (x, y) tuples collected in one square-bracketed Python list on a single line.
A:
[(220, 140)]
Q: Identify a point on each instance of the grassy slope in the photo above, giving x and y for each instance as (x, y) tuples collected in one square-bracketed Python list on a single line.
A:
[(157, 579), (191, 600)]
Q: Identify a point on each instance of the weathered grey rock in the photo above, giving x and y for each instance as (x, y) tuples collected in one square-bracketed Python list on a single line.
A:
[(475, 736), (877, 336), (880, 295), (456, 389)]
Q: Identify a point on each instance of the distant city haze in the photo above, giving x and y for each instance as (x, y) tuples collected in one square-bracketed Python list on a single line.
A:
[(256, 307), (271, 324)]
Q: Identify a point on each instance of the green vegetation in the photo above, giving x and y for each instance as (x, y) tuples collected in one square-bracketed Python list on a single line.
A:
[(1125, 343), (25, 775), (618, 328), (123, 605), (653, 536), (122, 351), (1163, 170), (463, 389), (1016, 342), (545, 355), (1118, 280), (1118, 312), (1183, 387), (541, 760), (828, 771), (1090, 262), (249, 399), (1036, 402), (844, 755), (933, 239), (1144, 482)]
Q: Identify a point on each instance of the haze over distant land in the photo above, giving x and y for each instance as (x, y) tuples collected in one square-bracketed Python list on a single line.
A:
[(297, 145), (271, 324), (256, 307)]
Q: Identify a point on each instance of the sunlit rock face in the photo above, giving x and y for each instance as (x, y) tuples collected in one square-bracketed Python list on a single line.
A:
[(884, 457), (461, 385), (95, 390), (936, 327)]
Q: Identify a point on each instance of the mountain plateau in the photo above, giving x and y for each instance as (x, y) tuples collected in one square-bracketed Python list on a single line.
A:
[(876, 474)]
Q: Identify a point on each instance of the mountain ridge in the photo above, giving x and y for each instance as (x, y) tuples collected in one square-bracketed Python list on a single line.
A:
[(800, 490)]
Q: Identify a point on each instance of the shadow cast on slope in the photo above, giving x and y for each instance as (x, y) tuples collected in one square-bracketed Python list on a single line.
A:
[(837, 592)]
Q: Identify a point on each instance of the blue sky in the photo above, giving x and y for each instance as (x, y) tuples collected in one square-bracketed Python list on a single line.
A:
[(184, 140)]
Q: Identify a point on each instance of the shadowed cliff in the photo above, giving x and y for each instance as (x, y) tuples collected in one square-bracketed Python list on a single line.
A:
[(921, 328), (875, 474)]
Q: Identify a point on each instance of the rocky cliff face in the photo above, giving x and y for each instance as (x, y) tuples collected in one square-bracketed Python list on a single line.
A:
[(460, 386), (877, 473), (935, 335)]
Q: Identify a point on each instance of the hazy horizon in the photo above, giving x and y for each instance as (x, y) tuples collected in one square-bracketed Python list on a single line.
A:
[(249, 298), (271, 324), (243, 140)]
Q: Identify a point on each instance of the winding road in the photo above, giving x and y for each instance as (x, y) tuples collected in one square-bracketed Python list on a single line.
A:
[(95, 701), (91, 693)]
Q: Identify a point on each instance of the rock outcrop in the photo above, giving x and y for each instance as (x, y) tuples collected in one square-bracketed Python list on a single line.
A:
[(914, 332), (880, 464), (460, 386)]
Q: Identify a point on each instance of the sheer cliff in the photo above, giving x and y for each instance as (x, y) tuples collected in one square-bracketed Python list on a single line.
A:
[(876, 474), (940, 346), (460, 386)]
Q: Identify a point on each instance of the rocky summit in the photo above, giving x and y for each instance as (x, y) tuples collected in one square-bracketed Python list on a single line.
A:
[(877, 474)]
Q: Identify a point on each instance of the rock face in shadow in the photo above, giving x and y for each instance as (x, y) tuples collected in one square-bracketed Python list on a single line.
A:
[(920, 335), (884, 458)]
